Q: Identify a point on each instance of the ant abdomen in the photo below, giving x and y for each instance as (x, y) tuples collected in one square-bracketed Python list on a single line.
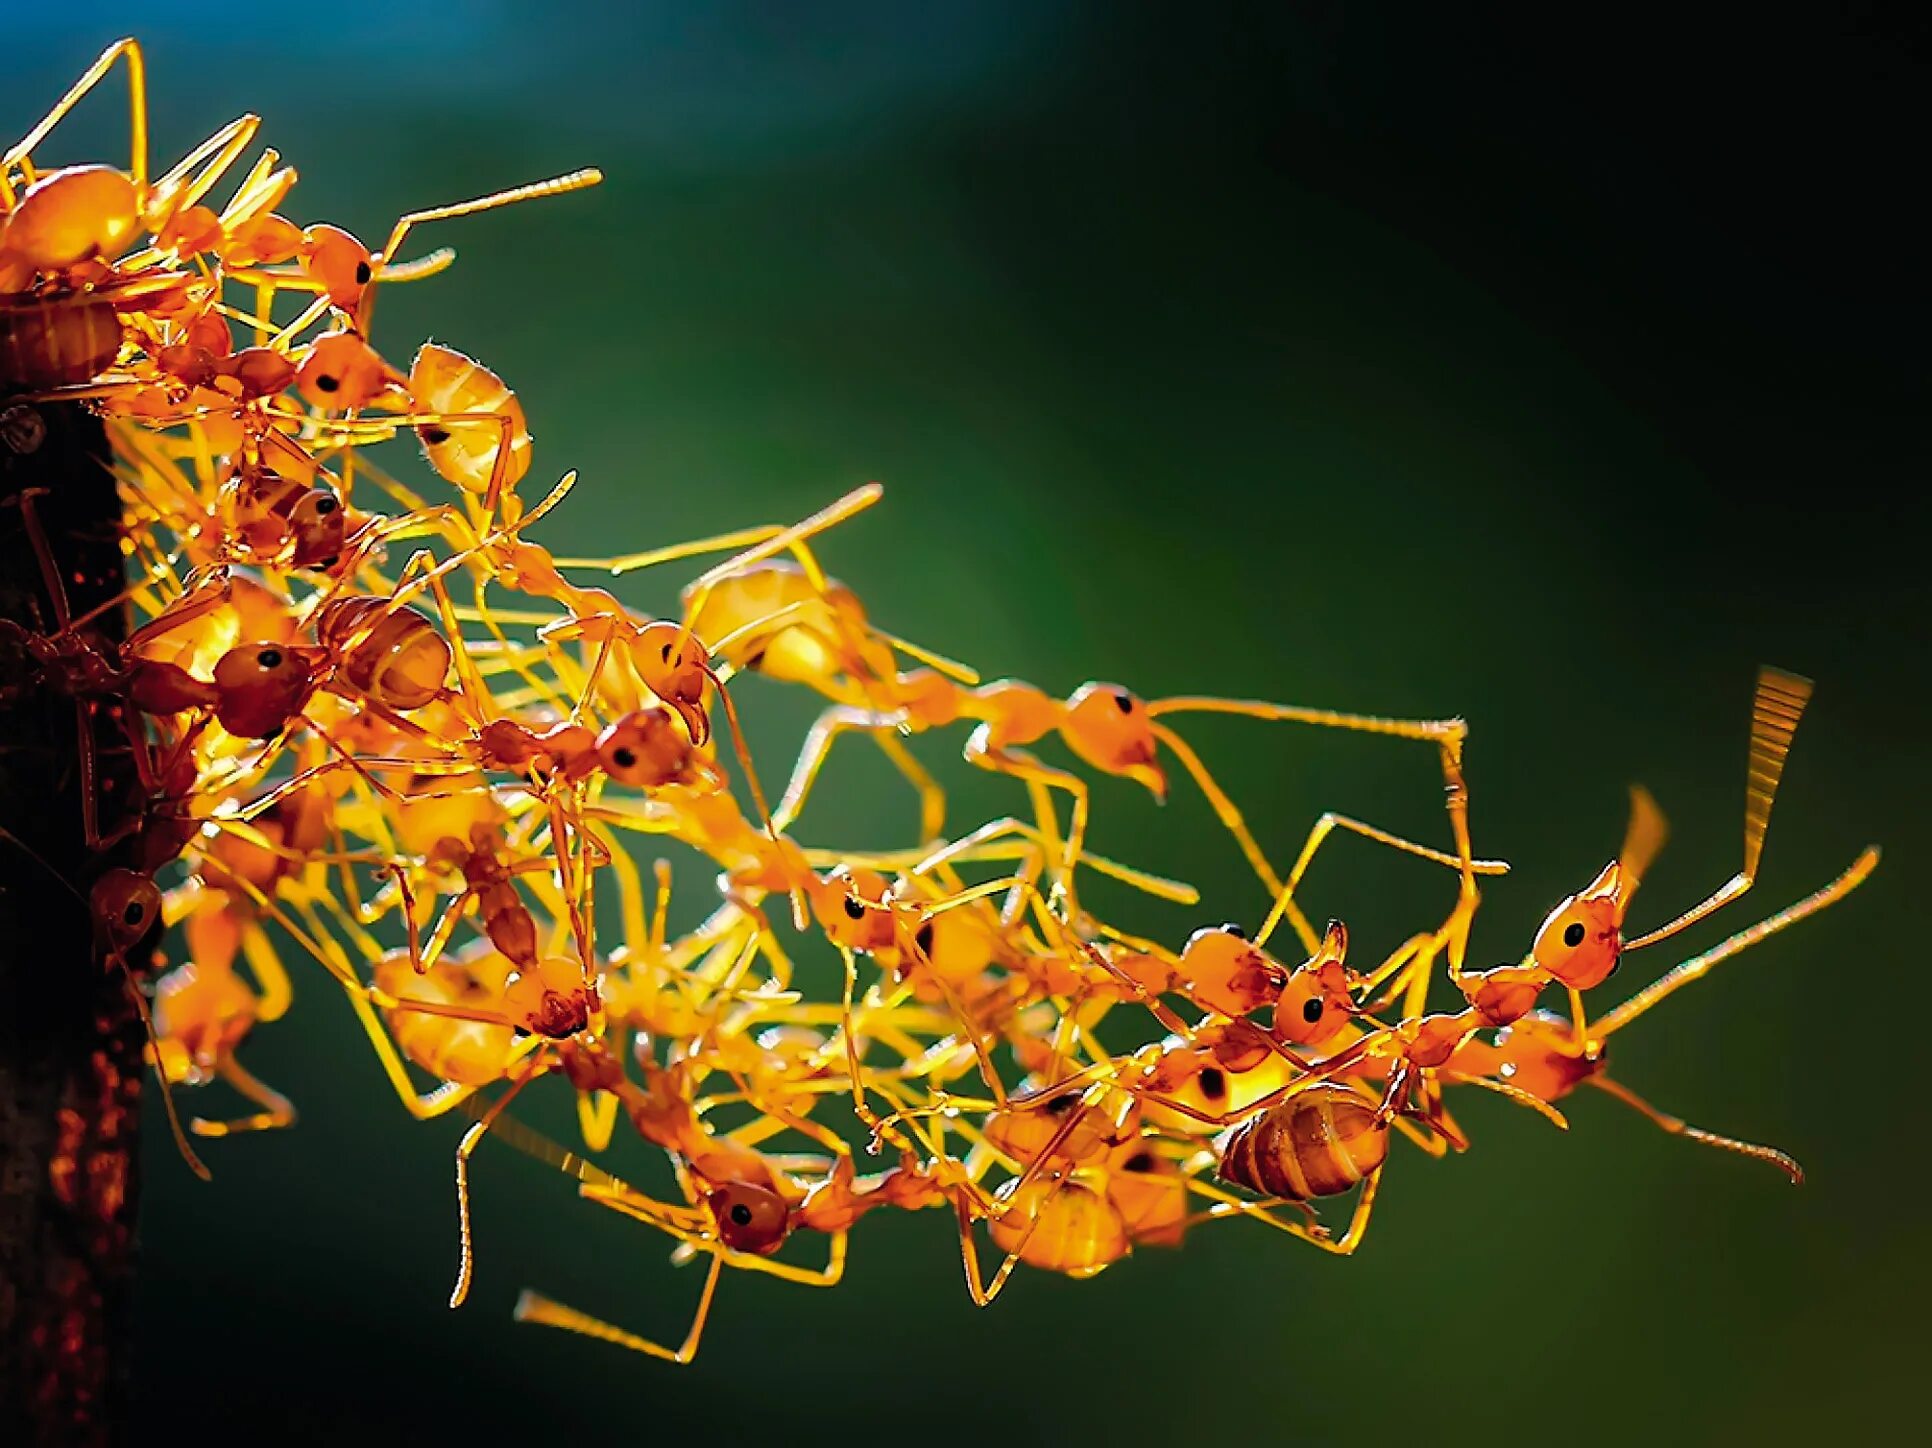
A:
[(390, 655), (1317, 1143)]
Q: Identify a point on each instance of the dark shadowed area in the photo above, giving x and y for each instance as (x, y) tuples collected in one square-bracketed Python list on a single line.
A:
[(1552, 376)]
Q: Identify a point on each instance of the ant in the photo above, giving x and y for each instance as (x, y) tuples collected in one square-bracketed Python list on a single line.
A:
[(1549, 1056)]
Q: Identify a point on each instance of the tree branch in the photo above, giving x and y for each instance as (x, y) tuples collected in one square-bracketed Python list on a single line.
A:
[(70, 1040)]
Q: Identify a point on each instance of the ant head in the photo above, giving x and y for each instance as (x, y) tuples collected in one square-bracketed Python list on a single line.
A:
[(74, 215), (317, 523), (1223, 971), (263, 685), (1315, 1003), (125, 905), (644, 748), (750, 1218), (1110, 728), (551, 999), (675, 665), (1581, 940), (672, 661), (339, 264), (854, 908), (342, 371)]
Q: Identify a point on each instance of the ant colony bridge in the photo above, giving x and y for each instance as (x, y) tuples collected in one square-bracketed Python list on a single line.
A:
[(317, 695)]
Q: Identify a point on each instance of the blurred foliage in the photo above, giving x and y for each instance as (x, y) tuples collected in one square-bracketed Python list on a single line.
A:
[(1408, 366)]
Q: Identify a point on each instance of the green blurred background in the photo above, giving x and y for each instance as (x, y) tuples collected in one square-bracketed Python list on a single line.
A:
[(1555, 376)]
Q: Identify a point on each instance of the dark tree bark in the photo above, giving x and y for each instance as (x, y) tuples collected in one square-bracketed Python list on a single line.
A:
[(70, 1038)]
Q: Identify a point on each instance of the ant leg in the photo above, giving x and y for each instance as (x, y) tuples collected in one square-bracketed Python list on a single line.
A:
[(187, 606), (194, 1162), (631, 562), (860, 1106), (981, 751), (932, 798), (1351, 1238), (469, 679), (63, 620), (1228, 1205), (1510, 1093), (534, 1307), (225, 147), (597, 1118), (1414, 955), (1224, 807), (1579, 1020), (1621, 1016), (968, 846), (89, 771), (818, 744), (1677, 1126), (466, 1263), (982, 1295), (271, 977), (1776, 709), (1317, 836), (800, 915), (137, 101), (277, 1110)]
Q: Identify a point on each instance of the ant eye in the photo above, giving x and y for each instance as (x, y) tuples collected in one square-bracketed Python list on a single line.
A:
[(1213, 1084), (854, 907), (1235, 930), (330, 561), (269, 658), (665, 653), (326, 505), (363, 273), (1573, 934), (434, 436), (1311, 1009), (135, 913), (1139, 1161), (1062, 1104), (624, 758), (1124, 702), (327, 384), (741, 1214)]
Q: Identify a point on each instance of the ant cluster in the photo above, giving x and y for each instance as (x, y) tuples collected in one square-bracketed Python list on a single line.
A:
[(421, 775)]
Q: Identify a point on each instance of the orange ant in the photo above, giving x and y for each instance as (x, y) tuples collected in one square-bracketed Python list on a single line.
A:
[(1549, 1056), (203, 1011)]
